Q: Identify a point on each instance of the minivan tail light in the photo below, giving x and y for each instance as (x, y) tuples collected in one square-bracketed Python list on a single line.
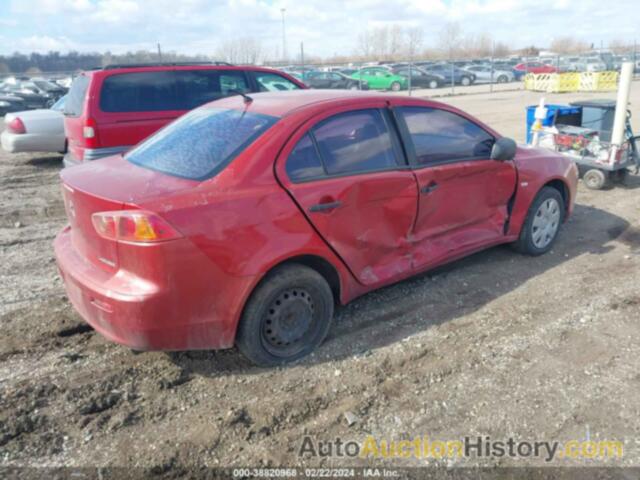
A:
[(16, 126), (90, 133), (135, 226)]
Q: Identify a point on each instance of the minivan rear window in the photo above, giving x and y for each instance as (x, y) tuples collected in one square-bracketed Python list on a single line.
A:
[(168, 90), (75, 98), (200, 143)]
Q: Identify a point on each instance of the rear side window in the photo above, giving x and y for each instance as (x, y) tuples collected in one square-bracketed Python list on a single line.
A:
[(303, 162), (440, 136), (168, 90), (139, 92), (272, 82), (200, 143), (75, 98), (356, 141)]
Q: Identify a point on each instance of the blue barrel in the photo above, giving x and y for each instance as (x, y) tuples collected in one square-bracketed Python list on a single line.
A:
[(553, 113)]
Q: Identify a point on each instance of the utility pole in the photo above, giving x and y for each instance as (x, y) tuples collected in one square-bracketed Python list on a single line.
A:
[(302, 56), (159, 53), (284, 37)]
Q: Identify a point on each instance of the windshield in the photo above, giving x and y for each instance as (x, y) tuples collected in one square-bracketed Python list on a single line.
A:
[(59, 105), (200, 143)]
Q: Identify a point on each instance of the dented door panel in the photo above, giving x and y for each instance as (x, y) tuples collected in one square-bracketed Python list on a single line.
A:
[(368, 223)]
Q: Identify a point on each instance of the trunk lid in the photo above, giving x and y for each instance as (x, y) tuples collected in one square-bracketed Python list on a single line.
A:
[(106, 185)]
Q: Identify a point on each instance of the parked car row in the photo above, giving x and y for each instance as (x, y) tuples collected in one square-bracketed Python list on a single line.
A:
[(35, 93)]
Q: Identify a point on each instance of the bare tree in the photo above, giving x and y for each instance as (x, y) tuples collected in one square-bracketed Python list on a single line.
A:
[(619, 46), (568, 44), (414, 39), (450, 39), (243, 50)]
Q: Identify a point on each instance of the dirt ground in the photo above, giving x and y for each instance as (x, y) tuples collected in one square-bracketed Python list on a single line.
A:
[(495, 345)]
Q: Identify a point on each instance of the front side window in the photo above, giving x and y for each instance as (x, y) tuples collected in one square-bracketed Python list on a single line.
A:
[(440, 136), (200, 143), (272, 82), (197, 87), (354, 142)]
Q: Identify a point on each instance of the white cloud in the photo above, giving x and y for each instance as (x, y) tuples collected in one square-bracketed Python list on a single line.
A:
[(325, 26)]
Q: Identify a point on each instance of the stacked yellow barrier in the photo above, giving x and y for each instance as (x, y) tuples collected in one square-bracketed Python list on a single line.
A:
[(607, 81), (571, 82), (530, 82)]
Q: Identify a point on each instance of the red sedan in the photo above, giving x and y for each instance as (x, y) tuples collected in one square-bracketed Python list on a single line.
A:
[(245, 221)]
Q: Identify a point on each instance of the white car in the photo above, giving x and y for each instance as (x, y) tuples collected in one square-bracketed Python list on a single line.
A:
[(35, 130)]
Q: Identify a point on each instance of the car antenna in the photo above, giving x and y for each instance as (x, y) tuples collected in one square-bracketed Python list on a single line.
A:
[(247, 98)]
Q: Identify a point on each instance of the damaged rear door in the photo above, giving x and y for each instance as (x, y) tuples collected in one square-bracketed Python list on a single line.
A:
[(348, 175)]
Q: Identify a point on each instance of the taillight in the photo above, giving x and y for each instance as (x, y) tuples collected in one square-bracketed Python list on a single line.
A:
[(16, 126), (133, 226), (90, 133)]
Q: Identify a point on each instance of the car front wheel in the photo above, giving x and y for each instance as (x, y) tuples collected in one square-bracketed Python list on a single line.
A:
[(287, 317), (542, 225), (433, 84), (395, 86), (466, 81)]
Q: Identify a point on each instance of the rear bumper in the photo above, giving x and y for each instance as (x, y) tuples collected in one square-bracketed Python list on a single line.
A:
[(27, 142), (149, 316), (93, 154)]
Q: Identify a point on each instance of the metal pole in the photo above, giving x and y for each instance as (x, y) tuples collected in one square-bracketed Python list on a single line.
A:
[(302, 57), (284, 38), (410, 74), (493, 48), (453, 81), (159, 53)]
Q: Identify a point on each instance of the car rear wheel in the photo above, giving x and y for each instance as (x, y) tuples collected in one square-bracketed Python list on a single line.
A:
[(466, 81), (542, 225), (433, 84), (595, 179), (395, 86), (287, 317), (503, 79), (354, 87)]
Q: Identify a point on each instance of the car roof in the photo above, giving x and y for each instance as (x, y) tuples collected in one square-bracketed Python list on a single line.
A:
[(281, 104), (159, 68)]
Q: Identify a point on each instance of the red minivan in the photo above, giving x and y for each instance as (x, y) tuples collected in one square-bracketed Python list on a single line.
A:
[(113, 108)]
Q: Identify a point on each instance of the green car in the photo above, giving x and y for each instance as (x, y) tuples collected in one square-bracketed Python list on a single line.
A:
[(380, 78)]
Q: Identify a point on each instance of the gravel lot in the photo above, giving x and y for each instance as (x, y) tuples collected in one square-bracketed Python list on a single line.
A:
[(497, 344)]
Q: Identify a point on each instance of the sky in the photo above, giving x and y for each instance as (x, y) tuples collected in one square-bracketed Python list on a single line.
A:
[(326, 27)]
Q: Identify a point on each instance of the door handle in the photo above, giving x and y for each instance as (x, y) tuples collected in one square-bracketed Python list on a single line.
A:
[(325, 207), (427, 189)]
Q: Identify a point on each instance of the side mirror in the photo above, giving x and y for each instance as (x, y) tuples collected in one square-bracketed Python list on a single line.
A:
[(503, 149)]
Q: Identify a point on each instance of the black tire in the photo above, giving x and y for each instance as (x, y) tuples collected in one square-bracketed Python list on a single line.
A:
[(503, 79), (354, 86), (620, 176), (595, 179), (396, 87), (433, 84), (525, 243), (287, 316), (465, 81)]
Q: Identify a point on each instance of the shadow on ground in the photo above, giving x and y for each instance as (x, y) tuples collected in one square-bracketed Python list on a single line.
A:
[(390, 314)]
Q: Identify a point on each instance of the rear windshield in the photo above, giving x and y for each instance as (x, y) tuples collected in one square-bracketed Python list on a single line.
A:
[(75, 98), (168, 90), (200, 143)]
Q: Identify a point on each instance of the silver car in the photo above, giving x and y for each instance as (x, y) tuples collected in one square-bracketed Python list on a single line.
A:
[(485, 74)]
